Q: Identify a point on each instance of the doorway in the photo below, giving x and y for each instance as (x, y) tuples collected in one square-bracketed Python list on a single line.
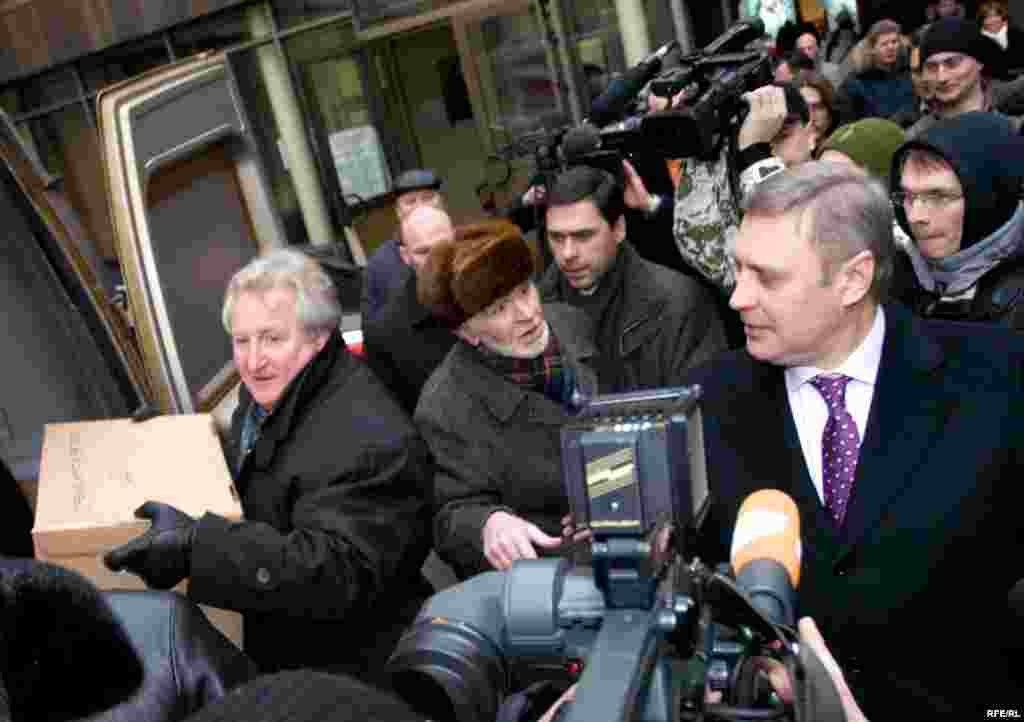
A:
[(441, 116)]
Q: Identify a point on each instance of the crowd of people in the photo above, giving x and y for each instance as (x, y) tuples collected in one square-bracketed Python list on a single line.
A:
[(845, 286)]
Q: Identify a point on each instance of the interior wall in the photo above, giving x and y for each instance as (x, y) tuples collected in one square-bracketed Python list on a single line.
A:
[(451, 147)]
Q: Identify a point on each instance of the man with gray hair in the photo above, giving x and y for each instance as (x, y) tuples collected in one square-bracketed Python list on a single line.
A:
[(898, 439), (334, 485)]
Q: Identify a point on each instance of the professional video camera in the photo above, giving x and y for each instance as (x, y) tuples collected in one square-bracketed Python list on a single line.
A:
[(650, 630), (712, 80)]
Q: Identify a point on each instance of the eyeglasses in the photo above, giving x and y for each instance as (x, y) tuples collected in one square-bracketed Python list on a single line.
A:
[(949, 63), (930, 199)]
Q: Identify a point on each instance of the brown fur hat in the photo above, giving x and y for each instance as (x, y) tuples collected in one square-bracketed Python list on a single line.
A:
[(484, 262)]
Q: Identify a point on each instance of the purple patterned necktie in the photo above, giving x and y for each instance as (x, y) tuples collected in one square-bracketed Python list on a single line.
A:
[(840, 445)]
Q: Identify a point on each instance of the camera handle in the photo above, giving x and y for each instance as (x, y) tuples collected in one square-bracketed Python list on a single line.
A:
[(625, 671)]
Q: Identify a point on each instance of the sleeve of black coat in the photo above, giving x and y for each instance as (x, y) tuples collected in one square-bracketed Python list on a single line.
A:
[(466, 491), (350, 538), (700, 332)]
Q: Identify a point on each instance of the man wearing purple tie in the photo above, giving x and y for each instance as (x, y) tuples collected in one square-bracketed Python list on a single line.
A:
[(899, 439)]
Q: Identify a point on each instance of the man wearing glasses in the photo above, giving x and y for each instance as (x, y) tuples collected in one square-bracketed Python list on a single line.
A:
[(956, 190), (960, 66)]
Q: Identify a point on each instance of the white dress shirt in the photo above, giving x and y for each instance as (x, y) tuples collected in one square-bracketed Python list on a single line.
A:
[(808, 406)]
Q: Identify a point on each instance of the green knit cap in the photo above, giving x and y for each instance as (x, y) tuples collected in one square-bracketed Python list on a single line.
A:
[(870, 143)]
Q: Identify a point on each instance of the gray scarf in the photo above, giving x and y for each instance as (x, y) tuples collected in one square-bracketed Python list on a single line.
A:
[(952, 275)]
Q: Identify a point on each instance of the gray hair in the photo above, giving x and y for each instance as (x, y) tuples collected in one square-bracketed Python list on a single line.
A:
[(316, 300), (842, 209)]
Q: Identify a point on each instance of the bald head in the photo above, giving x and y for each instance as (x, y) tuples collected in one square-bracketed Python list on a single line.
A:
[(420, 231)]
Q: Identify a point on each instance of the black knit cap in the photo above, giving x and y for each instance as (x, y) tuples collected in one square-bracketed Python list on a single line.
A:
[(955, 35)]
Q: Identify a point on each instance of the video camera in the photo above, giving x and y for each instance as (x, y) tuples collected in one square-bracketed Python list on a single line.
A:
[(712, 80), (649, 630)]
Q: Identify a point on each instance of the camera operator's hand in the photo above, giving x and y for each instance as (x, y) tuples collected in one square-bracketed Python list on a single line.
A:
[(635, 192), (810, 636), (571, 534), (555, 711), (766, 117), (508, 538), (534, 195), (778, 677)]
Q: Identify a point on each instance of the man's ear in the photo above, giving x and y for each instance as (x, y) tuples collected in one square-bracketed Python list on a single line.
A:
[(856, 276), (320, 340), (619, 229)]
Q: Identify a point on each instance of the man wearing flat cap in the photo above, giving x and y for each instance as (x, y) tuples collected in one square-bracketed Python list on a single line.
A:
[(491, 413), (386, 269), (963, 68)]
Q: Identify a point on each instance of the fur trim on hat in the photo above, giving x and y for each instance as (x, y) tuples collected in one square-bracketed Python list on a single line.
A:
[(484, 262)]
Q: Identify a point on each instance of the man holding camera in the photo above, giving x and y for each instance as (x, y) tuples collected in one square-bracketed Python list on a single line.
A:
[(651, 323), (898, 438), (776, 133)]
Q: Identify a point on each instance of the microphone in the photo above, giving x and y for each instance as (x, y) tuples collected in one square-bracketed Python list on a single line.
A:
[(766, 554), (580, 141), (612, 103), (736, 37)]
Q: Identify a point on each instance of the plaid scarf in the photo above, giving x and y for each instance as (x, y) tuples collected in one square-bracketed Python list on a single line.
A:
[(547, 373)]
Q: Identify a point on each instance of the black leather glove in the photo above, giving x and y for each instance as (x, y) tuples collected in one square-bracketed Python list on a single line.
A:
[(162, 556)]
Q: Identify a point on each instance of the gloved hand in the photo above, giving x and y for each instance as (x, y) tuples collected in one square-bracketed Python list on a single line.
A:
[(162, 555)]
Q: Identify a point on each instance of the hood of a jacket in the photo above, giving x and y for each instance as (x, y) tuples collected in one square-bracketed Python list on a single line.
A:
[(988, 159)]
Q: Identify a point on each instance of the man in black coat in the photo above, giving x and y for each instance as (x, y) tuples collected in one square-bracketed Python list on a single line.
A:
[(904, 466), (404, 343), (334, 483), (651, 323)]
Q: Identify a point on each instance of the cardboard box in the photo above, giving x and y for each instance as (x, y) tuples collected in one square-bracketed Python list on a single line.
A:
[(94, 474)]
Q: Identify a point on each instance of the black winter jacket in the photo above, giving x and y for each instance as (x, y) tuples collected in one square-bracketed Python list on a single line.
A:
[(335, 493)]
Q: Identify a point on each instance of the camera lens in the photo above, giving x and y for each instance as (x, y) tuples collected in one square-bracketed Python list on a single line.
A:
[(449, 671)]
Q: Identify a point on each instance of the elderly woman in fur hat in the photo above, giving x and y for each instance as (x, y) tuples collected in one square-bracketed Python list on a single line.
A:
[(492, 411)]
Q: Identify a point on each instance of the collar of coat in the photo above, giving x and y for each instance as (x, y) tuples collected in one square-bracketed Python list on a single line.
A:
[(502, 397), (641, 299)]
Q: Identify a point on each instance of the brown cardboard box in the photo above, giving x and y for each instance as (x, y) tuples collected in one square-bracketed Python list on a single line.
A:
[(94, 474)]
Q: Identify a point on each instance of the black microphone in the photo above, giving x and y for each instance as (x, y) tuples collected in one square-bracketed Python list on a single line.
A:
[(621, 91), (736, 37), (580, 141), (766, 554)]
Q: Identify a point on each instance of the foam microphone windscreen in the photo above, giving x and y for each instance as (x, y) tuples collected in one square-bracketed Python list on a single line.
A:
[(768, 527)]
